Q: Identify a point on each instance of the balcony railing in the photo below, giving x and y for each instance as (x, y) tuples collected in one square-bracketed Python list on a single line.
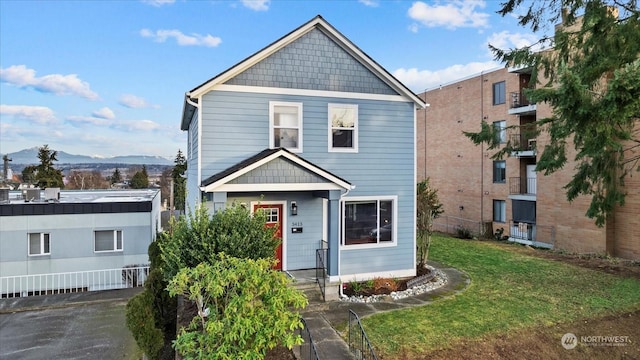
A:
[(71, 282), (518, 99), (522, 142), (532, 234), (522, 186)]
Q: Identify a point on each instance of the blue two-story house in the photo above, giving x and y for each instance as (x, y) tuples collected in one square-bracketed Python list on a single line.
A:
[(321, 136)]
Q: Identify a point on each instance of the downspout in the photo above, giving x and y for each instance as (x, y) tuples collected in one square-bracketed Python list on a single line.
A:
[(482, 153), (187, 98)]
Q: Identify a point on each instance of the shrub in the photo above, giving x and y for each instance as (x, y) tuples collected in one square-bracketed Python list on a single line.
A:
[(142, 323), (463, 233), (498, 235)]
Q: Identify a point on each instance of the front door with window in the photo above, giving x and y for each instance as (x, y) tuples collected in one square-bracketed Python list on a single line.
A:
[(274, 215)]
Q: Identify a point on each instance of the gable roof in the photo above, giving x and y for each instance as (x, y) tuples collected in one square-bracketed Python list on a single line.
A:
[(317, 22), (219, 180)]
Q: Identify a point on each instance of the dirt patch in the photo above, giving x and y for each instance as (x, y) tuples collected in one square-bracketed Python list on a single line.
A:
[(545, 342)]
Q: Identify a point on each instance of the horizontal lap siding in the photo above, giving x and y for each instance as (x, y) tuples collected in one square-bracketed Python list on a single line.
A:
[(384, 164)]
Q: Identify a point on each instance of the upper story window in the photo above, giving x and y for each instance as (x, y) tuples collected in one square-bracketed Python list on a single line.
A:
[(499, 93), (39, 244), (369, 221), (501, 131), (499, 171), (285, 125), (107, 240), (343, 128)]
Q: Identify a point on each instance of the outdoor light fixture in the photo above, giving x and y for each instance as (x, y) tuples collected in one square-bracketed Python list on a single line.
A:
[(294, 208)]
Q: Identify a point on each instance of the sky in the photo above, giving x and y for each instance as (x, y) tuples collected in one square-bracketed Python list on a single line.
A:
[(108, 78)]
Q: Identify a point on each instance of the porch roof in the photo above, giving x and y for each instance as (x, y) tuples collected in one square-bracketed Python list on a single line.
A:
[(316, 178)]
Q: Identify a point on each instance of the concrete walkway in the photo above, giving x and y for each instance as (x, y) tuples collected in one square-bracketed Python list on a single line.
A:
[(324, 318)]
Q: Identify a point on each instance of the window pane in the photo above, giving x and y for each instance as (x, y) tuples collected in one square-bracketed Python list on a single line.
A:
[(501, 131), (104, 240), (286, 138), (47, 245), (499, 171), (343, 138), (119, 240), (499, 210), (34, 243), (342, 117), (386, 220), (499, 93), (359, 220), (286, 116)]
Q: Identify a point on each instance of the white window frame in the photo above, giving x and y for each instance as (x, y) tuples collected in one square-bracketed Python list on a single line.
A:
[(115, 241), (43, 237), (354, 147), (272, 127), (379, 244)]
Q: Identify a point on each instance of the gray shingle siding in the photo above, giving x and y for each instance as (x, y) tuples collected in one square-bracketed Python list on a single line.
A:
[(313, 62), (278, 171)]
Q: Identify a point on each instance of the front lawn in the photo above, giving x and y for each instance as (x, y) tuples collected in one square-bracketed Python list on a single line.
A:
[(509, 291)]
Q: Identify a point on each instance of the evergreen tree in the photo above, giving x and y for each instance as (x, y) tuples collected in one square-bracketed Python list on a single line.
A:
[(116, 177), (591, 80), (179, 182), (140, 179), (46, 175)]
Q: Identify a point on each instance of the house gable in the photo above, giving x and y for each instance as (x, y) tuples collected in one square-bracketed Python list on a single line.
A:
[(313, 62), (273, 170)]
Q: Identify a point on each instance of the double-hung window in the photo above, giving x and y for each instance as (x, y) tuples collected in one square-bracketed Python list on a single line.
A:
[(500, 211), (499, 93), (499, 171), (107, 240), (285, 125), (343, 128), (369, 221), (39, 244)]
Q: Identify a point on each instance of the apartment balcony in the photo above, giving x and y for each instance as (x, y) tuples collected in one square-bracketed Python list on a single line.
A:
[(522, 188), (520, 105), (523, 145), (532, 234)]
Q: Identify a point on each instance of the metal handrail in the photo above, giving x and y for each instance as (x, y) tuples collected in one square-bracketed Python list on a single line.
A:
[(359, 343), (312, 352), (321, 268)]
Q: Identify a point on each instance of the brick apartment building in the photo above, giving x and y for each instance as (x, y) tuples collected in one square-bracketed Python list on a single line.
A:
[(476, 189)]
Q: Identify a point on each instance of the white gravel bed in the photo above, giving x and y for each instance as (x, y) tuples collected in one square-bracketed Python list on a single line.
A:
[(438, 281)]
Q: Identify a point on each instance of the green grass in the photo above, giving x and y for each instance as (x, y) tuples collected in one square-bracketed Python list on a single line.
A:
[(509, 291)]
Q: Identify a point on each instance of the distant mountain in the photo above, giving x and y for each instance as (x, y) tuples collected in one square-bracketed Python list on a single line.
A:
[(30, 156)]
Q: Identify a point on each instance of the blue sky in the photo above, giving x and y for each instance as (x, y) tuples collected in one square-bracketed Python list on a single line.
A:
[(108, 78)]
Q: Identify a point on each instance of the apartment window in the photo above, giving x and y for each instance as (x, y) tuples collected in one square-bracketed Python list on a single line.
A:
[(499, 211), (39, 244), (368, 221), (343, 128), (499, 93), (500, 128), (108, 240), (499, 171), (285, 123)]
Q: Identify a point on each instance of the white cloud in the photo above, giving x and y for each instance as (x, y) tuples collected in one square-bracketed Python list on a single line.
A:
[(182, 39), (257, 5), (158, 3), (104, 113), (371, 3), (134, 102), (139, 125), (21, 76), (419, 80), (37, 114), (506, 40), (455, 14), (91, 120)]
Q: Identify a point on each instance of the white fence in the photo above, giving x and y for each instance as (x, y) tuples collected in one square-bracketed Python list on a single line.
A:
[(70, 282)]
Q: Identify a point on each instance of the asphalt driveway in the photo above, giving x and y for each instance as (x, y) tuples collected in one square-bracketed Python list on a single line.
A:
[(86, 326)]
